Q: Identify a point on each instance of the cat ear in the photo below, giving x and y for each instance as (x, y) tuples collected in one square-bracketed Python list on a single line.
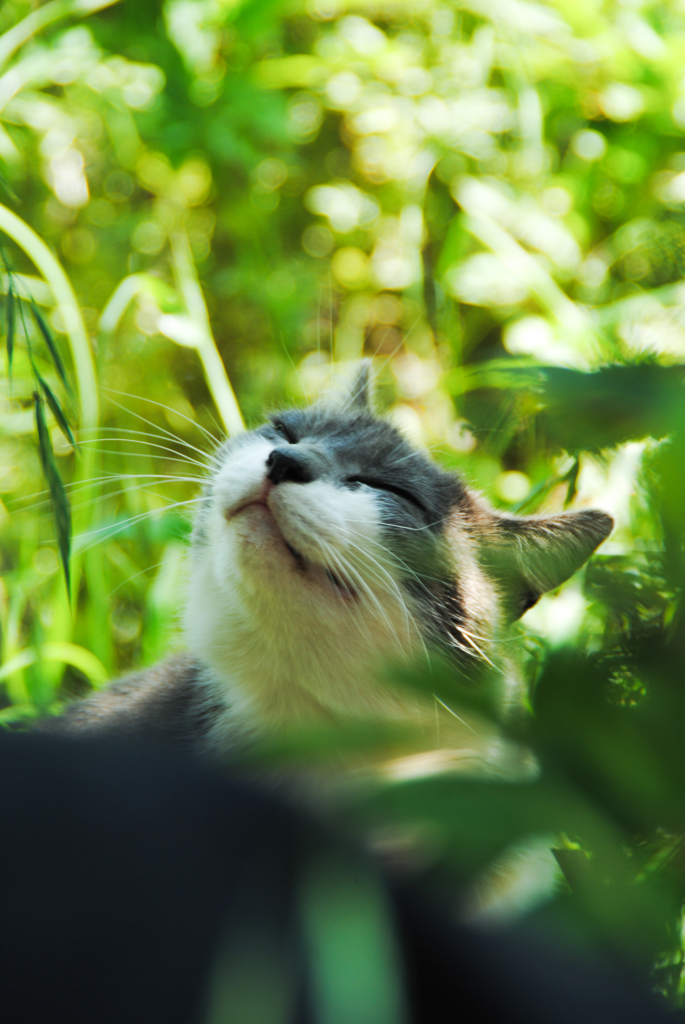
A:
[(360, 394), (529, 555)]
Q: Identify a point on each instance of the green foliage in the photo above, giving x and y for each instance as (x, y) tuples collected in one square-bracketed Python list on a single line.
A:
[(489, 200)]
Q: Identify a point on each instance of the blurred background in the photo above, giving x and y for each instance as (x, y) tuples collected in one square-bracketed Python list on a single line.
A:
[(486, 198)]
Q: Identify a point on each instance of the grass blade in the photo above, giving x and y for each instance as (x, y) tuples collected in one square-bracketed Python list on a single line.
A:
[(50, 342), (56, 410), (60, 502), (10, 321)]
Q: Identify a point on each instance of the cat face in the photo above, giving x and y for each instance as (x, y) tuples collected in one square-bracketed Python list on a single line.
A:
[(323, 489), (332, 532)]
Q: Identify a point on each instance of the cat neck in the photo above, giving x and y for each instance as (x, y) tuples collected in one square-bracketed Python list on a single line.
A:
[(277, 664)]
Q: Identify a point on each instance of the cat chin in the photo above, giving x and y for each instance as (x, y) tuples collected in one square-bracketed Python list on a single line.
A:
[(265, 560), (255, 526)]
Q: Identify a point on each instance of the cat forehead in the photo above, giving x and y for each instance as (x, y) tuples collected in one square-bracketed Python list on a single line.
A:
[(361, 434)]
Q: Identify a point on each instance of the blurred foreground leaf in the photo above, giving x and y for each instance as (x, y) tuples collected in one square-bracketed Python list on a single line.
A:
[(592, 411)]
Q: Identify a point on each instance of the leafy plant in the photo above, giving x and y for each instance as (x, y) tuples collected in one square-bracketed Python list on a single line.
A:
[(60, 502)]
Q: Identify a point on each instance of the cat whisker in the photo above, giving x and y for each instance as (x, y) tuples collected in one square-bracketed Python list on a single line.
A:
[(71, 487), (362, 585), (454, 713), (383, 577), (485, 639), (114, 431), (330, 561), (290, 359), (147, 444), (397, 526), (362, 591), (455, 643), (470, 638), (393, 589), (160, 405), (111, 530), (109, 494), (418, 579), (135, 576), (418, 454), (79, 506), (77, 488), (475, 646)]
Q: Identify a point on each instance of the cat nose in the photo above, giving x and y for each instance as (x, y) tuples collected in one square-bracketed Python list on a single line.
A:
[(285, 466)]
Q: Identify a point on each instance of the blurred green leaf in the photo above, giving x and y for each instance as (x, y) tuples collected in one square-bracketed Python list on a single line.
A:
[(591, 411), (481, 818), (476, 821), (346, 742), (475, 686)]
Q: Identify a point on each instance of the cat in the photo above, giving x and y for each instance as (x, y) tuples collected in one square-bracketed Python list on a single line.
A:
[(325, 546)]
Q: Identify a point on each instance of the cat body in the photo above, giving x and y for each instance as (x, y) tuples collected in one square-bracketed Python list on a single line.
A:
[(324, 548)]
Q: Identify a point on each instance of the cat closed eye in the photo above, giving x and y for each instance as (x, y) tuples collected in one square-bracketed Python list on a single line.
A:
[(381, 485), (285, 432)]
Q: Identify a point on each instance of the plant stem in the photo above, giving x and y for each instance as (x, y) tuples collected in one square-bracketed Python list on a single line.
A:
[(214, 369), (20, 33)]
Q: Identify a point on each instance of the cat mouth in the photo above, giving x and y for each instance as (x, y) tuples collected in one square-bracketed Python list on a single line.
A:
[(299, 559), (321, 573)]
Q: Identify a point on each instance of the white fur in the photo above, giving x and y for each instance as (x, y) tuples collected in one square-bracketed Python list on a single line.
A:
[(283, 642)]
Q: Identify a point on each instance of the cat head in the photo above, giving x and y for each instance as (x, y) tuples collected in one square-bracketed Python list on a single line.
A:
[(331, 531)]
